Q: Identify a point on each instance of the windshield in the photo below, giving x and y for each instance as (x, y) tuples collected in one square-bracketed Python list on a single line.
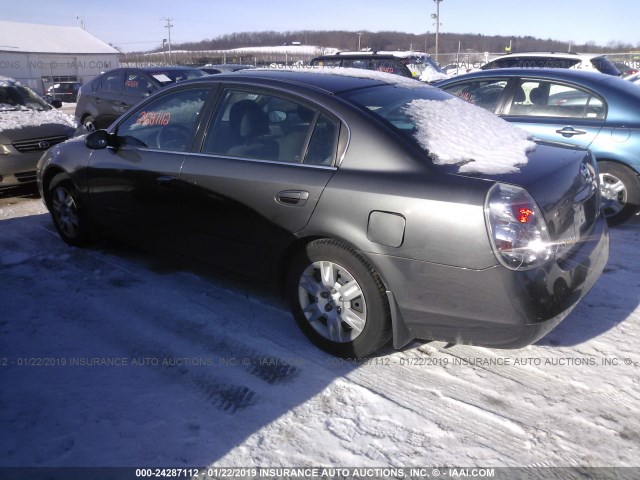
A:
[(18, 97), (165, 77), (418, 64)]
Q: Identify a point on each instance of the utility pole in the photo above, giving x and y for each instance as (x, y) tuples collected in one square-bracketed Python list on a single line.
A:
[(436, 16), (168, 27)]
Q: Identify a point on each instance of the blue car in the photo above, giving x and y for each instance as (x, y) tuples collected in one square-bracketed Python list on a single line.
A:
[(573, 107)]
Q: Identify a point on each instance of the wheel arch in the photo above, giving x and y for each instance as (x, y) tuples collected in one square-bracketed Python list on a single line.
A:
[(401, 335), (49, 174)]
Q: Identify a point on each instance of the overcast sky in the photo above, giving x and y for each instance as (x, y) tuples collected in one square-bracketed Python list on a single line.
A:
[(138, 25)]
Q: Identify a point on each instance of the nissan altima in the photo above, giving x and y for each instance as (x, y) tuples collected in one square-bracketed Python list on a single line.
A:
[(383, 208)]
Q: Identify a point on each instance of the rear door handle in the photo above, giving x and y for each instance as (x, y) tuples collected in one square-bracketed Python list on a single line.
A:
[(292, 197), (570, 132)]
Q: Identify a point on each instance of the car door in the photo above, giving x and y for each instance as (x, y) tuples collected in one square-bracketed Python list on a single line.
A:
[(264, 162), (107, 100), (555, 111), (133, 185)]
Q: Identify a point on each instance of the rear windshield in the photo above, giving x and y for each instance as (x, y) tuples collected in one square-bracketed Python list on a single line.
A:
[(450, 130), (604, 65), (531, 62), (165, 77), (390, 103)]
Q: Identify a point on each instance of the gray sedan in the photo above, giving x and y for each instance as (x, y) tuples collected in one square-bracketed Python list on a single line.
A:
[(385, 209)]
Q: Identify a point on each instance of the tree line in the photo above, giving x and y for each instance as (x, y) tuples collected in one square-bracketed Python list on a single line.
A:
[(392, 40)]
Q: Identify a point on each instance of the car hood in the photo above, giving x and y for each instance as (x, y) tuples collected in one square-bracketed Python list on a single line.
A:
[(17, 125)]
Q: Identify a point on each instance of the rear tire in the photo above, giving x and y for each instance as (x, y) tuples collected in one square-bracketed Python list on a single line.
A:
[(338, 300), (620, 188), (67, 211)]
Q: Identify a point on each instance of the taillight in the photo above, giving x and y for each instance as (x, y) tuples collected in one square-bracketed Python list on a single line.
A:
[(517, 229)]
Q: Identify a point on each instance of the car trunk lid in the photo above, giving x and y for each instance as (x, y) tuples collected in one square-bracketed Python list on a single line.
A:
[(564, 183)]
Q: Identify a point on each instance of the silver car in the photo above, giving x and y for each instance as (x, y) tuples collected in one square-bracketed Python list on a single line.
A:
[(383, 208), (28, 127)]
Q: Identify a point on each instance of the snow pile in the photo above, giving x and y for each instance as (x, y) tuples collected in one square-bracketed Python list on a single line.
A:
[(430, 74), (455, 132), (16, 119)]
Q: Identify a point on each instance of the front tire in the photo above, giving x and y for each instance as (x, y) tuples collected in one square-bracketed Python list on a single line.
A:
[(89, 123), (67, 211), (338, 300), (620, 188)]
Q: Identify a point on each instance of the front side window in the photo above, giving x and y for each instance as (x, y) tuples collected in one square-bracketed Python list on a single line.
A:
[(267, 127), (483, 93), (167, 123), (548, 99)]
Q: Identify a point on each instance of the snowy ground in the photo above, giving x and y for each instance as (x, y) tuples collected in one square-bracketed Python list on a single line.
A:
[(241, 386)]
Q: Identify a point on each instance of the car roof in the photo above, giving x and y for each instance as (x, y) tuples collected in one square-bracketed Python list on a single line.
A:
[(328, 82), (567, 74), (550, 54)]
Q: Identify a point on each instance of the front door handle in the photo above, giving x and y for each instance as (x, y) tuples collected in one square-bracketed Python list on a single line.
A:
[(570, 132), (292, 197)]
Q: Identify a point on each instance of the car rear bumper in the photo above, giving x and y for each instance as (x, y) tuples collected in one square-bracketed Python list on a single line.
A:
[(494, 307)]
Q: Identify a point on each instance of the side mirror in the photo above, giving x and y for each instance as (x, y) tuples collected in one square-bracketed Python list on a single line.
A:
[(98, 140), (56, 103)]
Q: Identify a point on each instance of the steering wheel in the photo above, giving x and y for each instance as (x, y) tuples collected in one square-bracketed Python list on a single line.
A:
[(173, 137)]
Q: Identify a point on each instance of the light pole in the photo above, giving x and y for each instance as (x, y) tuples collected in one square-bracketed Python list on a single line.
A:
[(168, 27), (436, 16)]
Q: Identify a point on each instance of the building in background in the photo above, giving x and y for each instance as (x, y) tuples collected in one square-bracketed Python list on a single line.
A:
[(41, 55)]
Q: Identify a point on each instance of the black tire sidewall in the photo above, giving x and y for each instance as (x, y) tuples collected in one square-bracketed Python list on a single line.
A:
[(632, 185), (377, 330)]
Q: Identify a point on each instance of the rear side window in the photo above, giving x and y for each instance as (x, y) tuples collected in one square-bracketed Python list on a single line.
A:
[(112, 82), (323, 143)]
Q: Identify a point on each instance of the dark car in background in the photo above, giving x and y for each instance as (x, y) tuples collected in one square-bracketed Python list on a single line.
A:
[(64, 91), (406, 64), (109, 95), (572, 60), (626, 68), (587, 109), (212, 69), (28, 127), (377, 219)]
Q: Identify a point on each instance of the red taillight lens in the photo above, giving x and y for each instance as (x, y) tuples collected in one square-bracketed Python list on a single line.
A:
[(523, 214)]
